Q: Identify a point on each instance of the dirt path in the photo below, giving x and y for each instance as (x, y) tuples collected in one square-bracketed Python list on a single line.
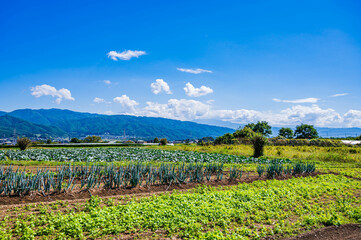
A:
[(343, 232)]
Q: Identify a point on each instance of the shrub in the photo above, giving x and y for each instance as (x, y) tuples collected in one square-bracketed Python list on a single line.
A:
[(92, 139), (75, 140), (258, 141), (163, 141), (23, 143)]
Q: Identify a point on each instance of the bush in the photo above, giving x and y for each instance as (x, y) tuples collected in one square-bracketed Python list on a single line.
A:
[(163, 141), (225, 139), (258, 141), (92, 139), (75, 140), (23, 143)]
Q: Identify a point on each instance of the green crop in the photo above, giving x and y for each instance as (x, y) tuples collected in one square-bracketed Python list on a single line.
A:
[(126, 154), (262, 209)]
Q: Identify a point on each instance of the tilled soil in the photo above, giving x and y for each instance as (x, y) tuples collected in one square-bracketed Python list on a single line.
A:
[(343, 232)]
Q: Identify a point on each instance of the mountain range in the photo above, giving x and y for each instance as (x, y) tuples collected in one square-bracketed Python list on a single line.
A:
[(49, 123)]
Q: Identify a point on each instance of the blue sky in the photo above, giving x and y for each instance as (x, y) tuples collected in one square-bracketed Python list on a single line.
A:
[(280, 61)]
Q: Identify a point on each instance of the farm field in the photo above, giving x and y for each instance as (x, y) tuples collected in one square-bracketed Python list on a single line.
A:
[(98, 193)]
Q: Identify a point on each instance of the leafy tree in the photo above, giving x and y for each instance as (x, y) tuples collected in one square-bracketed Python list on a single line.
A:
[(163, 141), (250, 125), (261, 127), (258, 143), (156, 140), (245, 132), (286, 132), (225, 139), (75, 140), (305, 131), (206, 139), (23, 143), (92, 139), (48, 141)]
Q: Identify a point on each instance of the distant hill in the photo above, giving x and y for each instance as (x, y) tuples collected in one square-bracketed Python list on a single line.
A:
[(76, 124), (144, 127), (25, 128), (57, 122), (48, 116)]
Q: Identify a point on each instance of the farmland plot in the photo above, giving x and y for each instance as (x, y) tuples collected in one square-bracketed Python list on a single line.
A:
[(126, 154)]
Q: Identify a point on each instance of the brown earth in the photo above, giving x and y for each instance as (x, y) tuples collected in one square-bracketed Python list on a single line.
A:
[(343, 232)]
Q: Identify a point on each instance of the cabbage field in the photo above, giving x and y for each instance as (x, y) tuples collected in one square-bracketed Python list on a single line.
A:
[(125, 154)]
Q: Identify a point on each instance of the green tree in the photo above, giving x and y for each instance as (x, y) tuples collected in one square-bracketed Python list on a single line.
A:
[(245, 132), (163, 141), (261, 127), (207, 139), (48, 141), (92, 139), (286, 132), (258, 142), (305, 131), (225, 139), (75, 140), (23, 143), (156, 140)]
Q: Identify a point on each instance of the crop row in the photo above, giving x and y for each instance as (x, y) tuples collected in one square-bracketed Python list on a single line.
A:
[(65, 178), (125, 154), (262, 209)]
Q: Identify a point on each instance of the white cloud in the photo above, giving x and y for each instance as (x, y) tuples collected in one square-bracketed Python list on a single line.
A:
[(194, 71), (352, 118), (107, 82), (98, 100), (188, 110), (160, 86), (181, 109), (125, 55), (126, 102), (303, 100), (197, 92), (339, 94), (47, 90)]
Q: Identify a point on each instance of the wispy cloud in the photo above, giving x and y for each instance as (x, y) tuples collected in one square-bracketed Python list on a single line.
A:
[(47, 90), (160, 86), (98, 100), (192, 91), (194, 71), (125, 55), (339, 94), (303, 100), (107, 82)]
